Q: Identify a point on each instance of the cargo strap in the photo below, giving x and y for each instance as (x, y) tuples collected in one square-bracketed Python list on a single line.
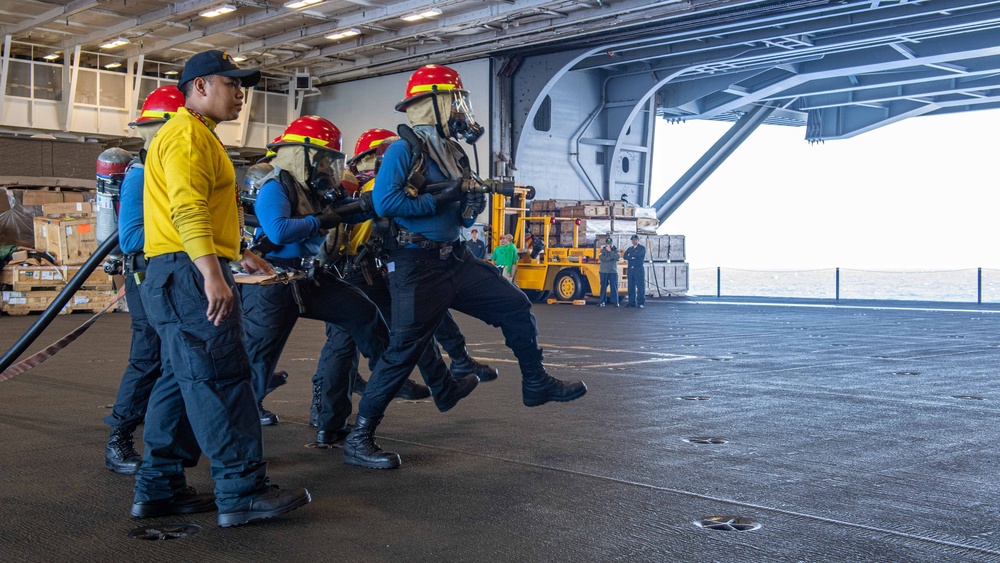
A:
[(63, 342)]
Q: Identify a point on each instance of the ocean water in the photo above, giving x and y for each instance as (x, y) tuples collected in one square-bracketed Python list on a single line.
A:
[(960, 286)]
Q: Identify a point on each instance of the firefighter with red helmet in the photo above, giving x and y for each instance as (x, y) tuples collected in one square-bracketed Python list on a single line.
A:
[(144, 356), (422, 193), (362, 164), (294, 208), (363, 269)]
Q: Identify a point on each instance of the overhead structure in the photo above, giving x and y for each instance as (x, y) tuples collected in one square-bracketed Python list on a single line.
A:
[(838, 69), (334, 40), (579, 85)]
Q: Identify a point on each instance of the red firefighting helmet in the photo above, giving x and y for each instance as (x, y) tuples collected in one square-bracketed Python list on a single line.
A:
[(367, 143), (160, 105), (381, 148), (429, 79), (310, 131), (270, 152), (370, 140)]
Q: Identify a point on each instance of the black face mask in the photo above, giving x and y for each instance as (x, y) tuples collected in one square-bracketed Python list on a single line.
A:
[(321, 183), (463, 129)]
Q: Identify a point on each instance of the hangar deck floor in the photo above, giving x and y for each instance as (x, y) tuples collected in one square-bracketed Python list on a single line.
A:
[(859, 432)]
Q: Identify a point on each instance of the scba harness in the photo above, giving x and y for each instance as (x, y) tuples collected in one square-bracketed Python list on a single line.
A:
[(391, 233)]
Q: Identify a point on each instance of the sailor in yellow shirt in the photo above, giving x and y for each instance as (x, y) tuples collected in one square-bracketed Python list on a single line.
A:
[(204, 400), (361, 270)]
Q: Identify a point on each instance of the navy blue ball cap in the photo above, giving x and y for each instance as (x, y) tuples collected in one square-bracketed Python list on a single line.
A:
[(217, 62)]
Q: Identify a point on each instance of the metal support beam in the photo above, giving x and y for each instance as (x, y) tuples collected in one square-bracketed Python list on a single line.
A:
[(74, 76), (3, 73), (720, 151), (135, 66)]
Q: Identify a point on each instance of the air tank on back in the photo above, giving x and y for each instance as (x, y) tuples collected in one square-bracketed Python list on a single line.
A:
[(111, 166)]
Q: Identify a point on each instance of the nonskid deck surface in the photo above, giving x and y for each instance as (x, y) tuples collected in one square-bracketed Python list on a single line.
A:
[(859, 432)]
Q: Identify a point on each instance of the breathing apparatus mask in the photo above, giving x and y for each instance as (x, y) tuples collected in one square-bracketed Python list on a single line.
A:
[(326, 170), (461, 122)]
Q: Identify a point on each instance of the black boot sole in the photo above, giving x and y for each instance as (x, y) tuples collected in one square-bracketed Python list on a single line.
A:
[(387, 464), (565, 399), (122, 469), (239, 518)]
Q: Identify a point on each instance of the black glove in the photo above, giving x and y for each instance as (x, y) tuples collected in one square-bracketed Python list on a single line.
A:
[(475, 203), (449, 194), (365, 200), (328, 218)]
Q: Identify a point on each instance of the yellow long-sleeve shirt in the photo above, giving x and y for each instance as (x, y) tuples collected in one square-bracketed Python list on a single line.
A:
[(189, 199), (362, 231)]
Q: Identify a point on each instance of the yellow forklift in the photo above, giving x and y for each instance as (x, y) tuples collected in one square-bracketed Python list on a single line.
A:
[(545, 272)]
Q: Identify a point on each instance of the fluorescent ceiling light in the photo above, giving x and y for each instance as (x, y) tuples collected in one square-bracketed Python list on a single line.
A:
[(218, 11), (172, 72), (294, 4), (52, 56), (238, 58), (116, 43), (428, 14), (115, 64), (346, 33)]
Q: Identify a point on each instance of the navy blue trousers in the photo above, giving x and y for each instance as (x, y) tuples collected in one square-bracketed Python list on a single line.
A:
[(612, 281), (423, 288), (271, 312), (203, 402), (143, 365), (636, 286), (339, 359)]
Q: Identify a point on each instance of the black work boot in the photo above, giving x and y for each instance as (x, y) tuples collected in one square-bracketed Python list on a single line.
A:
[(120, 455), (538, 388), (458, 391), (276, 380), (359, 384), (333, 438), (467, 365), (360, 447), (317, 405), (413, 391), (267, 418)]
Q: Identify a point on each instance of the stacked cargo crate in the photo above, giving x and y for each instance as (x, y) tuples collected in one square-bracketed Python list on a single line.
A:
[(67, 233), (666, 269)]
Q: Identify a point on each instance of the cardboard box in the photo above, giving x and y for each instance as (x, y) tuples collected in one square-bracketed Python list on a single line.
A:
[(67, 210), (42, 197), (644, 225), (70, 241), (582, 211)]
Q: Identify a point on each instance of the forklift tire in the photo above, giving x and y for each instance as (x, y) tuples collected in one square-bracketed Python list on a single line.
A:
[(568, 285), (536, 295)]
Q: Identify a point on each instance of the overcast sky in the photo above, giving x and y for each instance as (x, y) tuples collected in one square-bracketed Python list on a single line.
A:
[(920, 194)]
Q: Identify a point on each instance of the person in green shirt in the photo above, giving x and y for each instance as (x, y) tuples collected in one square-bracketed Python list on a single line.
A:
[(505, 257)]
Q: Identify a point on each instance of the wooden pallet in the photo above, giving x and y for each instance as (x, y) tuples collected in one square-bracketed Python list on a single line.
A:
[(26, 277), (19, 303)]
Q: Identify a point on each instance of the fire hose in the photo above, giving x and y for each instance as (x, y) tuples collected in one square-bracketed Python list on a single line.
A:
[(60, 300)]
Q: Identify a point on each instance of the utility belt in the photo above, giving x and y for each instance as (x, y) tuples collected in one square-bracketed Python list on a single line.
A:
[(300, 264), (135, 265), (308, 265), (405, 238)]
